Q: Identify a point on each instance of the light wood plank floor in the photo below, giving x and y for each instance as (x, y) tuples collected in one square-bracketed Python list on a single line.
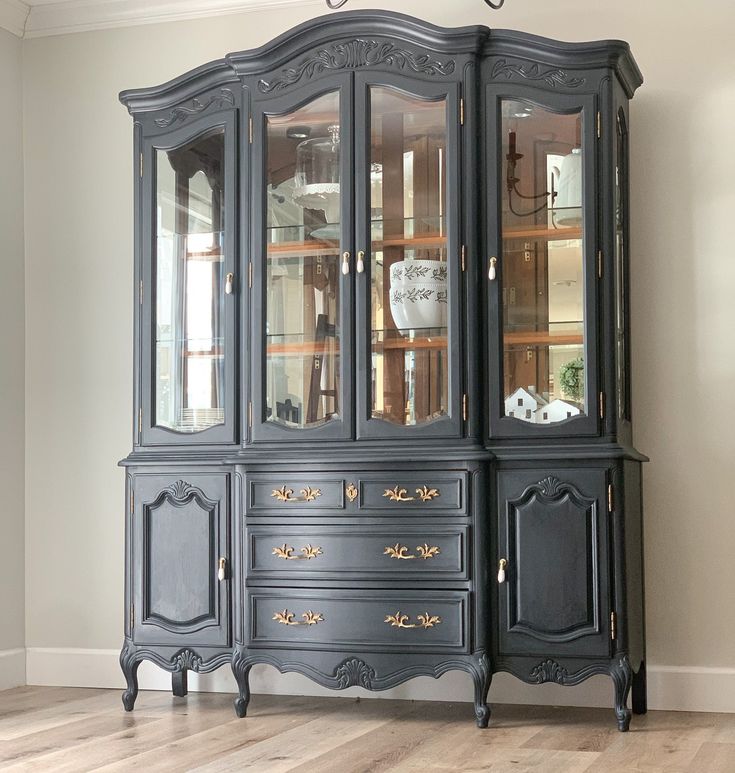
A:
[(62, 729)]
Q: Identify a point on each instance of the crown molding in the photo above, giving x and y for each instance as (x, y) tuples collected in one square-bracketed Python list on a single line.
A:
[(48, 18), (13, 16)]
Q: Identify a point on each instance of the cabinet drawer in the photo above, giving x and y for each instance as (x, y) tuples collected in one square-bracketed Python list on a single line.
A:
[(289, 492), (383, 620), (408, 551), (413, 492)]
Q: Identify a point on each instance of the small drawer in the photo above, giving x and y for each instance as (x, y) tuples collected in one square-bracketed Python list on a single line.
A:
[(407, 551), (418, 492), (384, 620), (294, 492)]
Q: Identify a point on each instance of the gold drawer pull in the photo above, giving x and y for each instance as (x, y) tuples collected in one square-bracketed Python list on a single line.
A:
[(287, 618), (285, 494), (424, 621), (399, 552), (398, 494), (307, 553)]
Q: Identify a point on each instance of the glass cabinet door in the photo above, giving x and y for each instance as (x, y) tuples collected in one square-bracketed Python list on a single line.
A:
[(191, 277), (408, 169), (305, 191), (541, 271)]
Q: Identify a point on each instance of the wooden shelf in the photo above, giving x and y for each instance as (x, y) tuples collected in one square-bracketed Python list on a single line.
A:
[(312, 349), (543, 232), (321, 247), (542, 338)]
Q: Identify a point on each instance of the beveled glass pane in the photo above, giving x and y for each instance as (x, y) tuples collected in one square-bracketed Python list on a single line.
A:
[(409, 276), (303, 205), (543, 264), (189, 295)]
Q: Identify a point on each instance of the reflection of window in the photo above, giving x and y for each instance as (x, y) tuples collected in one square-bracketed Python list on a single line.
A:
[(546, 415), (528, 413), (520, 402)]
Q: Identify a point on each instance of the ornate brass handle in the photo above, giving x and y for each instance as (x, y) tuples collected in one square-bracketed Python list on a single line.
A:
[(287, 618), (401, 621), (400, 552), (501, 570), (307, 553), (285, 494), (398, 494)]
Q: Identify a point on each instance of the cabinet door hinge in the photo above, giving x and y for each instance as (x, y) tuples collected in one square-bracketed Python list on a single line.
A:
[(132, 617), (461, 111), (599, 125), (250, 275), (140, 421), (599, 264), (141, 164), (250, 414), (464, 257), (464, 407), (602, 405), (250, 129), (610, 500), (613, 626)]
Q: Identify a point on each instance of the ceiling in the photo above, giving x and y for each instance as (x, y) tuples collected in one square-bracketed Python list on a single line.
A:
[(40, 18)]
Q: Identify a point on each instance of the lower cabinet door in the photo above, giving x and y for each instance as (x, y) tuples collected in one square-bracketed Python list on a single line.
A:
[(179, 535), (553, 537)]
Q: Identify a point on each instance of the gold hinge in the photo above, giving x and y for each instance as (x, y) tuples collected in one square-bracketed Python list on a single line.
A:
[(250, 275), (613, 626), (140, 421), (464, 406), (610, 502), (140, 293), (132, 616), (250, 129), (461, 112), (602, 405), (599, 264), (464, 255), (141, 164), (599, 125), (250, 414)]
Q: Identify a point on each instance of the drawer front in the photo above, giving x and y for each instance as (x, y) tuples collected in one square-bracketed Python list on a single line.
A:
[(413, 492), (290, 492), (408, 551), (382, 620)]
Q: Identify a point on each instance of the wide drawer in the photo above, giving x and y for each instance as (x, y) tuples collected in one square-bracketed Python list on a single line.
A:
[(377, 492), (408, 551), (382, 620)]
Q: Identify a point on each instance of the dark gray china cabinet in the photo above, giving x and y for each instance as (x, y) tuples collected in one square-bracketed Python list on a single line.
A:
[(382, 365)]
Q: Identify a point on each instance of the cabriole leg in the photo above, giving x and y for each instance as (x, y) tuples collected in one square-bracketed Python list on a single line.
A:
[(482, 676), (622, 676), (179, 683), (640, 690), (242, 675), (129, 665)]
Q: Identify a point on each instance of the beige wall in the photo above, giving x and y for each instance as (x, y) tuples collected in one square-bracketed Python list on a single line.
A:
[(12, 377), (79, 271)]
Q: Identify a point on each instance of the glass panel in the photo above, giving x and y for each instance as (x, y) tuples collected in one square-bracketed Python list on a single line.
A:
[(409, 295), (621, 269), (189, 298), (543, 264), (303, 267)]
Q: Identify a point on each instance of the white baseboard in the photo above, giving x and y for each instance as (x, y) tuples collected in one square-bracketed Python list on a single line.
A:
[(670, 688), (12, 668)]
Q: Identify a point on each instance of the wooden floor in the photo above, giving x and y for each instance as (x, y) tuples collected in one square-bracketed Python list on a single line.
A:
[(62, 729)]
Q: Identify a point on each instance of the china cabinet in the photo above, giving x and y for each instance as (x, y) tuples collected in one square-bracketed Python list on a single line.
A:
[(382, 371)]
